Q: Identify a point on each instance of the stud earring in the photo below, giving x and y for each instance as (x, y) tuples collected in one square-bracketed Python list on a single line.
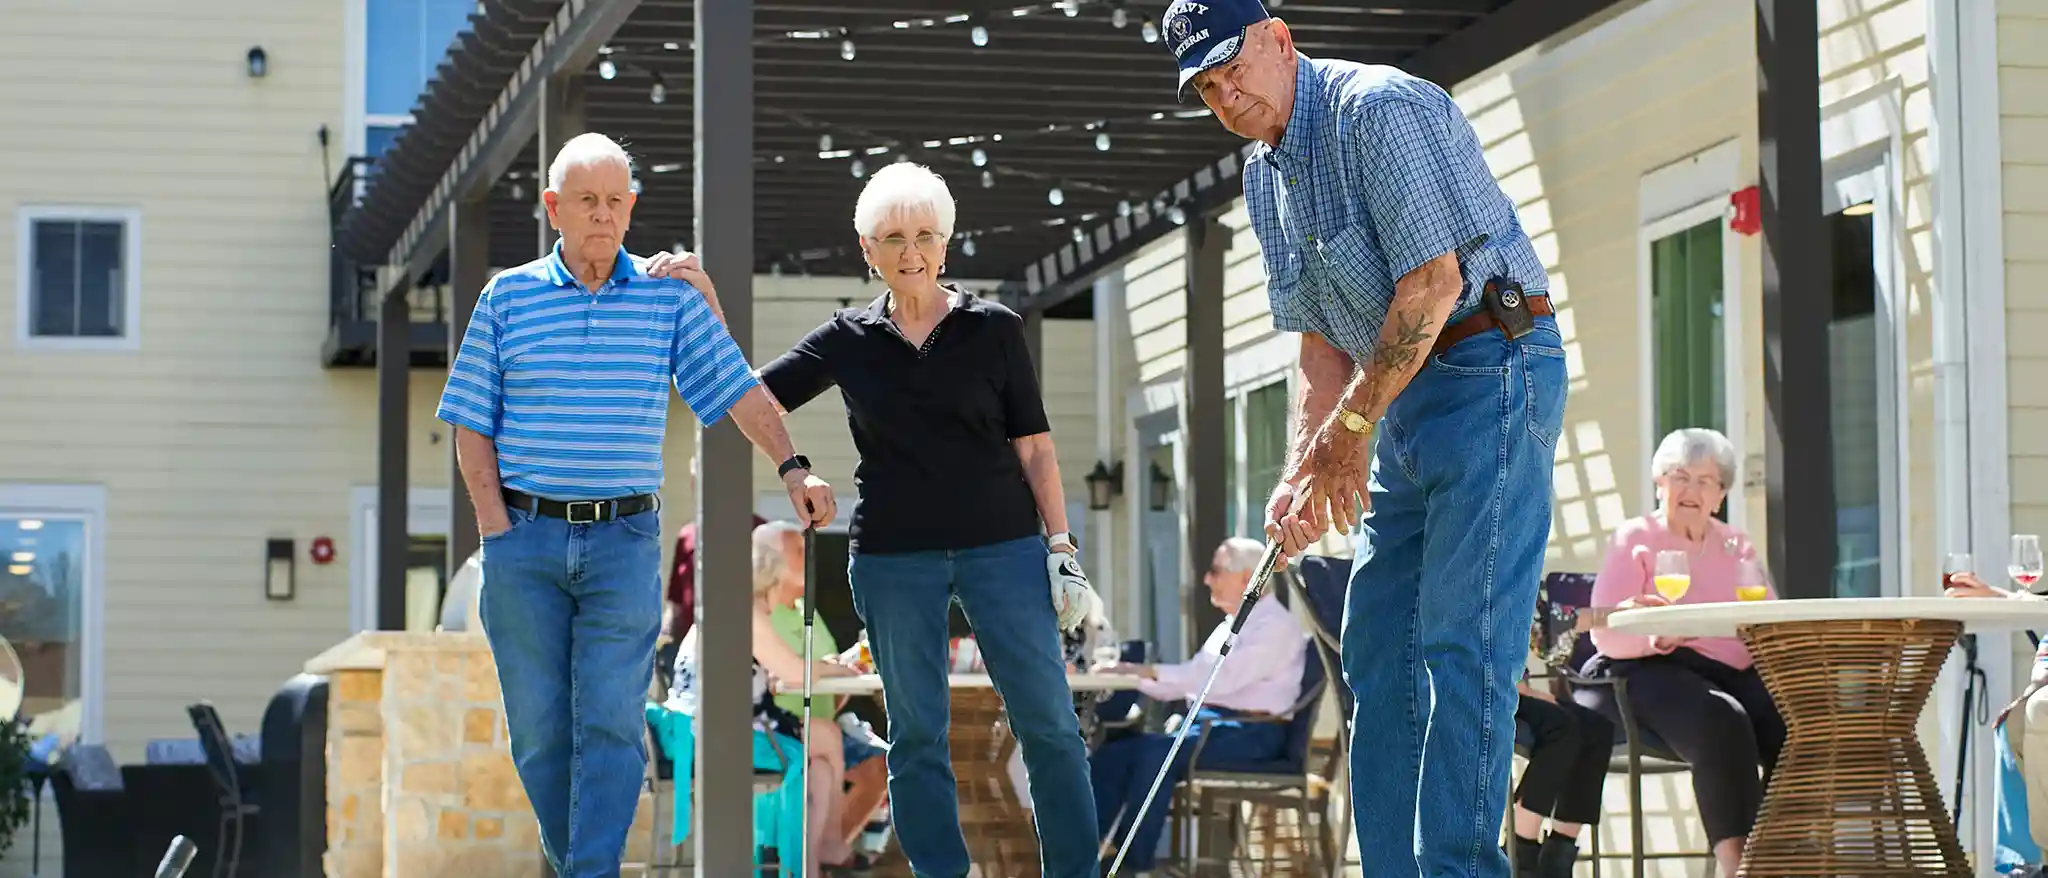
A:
[(942, 269)]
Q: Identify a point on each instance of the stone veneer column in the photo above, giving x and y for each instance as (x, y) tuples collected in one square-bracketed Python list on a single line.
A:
[(419, 773)]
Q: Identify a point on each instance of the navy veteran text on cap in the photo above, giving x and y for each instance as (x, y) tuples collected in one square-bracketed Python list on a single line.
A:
[(1208, 33)]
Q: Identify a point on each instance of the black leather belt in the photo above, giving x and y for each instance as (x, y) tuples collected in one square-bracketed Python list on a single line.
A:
[(582, 511)]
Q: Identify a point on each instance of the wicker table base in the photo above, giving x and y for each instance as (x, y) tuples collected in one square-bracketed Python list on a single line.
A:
[(1853, 793), (1000, 838)]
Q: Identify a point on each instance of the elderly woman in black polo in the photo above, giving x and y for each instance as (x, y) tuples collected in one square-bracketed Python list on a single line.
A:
[(958, 489)]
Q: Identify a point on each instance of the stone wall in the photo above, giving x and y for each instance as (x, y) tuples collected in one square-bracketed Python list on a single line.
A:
[(420, 779)]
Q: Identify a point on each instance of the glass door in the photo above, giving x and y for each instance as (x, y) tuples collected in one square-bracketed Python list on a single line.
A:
[(1864, 356)]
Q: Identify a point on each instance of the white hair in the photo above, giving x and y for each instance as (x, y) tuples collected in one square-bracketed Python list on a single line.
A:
[(1690, 445), (584, 150), (771, 545), (904, 189), (1241, 555)]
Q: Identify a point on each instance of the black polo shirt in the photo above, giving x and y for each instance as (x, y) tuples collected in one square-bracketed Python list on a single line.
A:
[(933, 426)]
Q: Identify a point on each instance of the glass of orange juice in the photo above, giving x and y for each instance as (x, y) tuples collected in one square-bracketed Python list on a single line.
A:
[(1750, 584), (1673, 577)]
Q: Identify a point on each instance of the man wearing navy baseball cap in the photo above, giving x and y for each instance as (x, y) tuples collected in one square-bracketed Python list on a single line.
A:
[(1425, 318)]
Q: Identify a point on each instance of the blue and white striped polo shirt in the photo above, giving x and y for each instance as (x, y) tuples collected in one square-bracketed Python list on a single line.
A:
[(573, 385)]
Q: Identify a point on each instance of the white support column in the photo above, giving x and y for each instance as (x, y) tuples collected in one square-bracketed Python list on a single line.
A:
[(1109, 429)]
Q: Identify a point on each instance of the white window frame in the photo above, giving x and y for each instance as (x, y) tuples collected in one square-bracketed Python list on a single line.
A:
[(428, 513), (1673, 198), (130, 219), (86, 503)]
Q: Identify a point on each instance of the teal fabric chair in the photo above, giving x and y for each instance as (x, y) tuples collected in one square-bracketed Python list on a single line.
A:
[(778, 784)]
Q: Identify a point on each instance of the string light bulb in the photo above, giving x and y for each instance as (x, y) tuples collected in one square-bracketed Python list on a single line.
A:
[(1119, 17), (1123, 208), (967, 247), (988, 179), (824, 143), (1078, 236), (607, 70), (980, 158), (1055, 197), (1071, 7), (979, 35), (859, 170), (1150, 32), (1177, 215), (1101, 141), (658, 92), (846, 50)]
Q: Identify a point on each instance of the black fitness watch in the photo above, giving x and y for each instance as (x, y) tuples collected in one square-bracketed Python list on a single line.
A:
[(795, 461)]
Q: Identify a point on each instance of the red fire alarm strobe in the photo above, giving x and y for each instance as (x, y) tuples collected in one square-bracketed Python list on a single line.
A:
[(323, 550), (1746, 214)]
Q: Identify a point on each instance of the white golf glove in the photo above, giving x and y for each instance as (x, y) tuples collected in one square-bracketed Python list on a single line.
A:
[(1072, 598)]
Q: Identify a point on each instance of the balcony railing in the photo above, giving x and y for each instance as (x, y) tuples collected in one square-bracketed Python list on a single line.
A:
[(353, 291)]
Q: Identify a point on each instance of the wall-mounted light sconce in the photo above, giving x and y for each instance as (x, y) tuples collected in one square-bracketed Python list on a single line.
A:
[(1105, 483), (279, 579), (259, 62), (1161, 489)]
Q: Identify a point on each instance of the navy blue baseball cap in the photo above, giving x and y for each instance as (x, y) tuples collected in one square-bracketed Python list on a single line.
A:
[(1207, 33)]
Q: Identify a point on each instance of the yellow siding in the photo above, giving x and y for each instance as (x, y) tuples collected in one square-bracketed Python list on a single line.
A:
[(222, 429), (2023, 148)]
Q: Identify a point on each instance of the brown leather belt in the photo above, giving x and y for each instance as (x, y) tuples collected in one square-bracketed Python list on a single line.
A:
[(582, 511), (1482, 321)]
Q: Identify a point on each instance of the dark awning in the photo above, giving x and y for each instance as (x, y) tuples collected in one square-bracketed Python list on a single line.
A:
[(1054, 84)]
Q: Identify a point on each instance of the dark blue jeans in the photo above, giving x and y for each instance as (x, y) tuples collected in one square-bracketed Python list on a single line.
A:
[(1122, 772), (1436, 622), (905, 598), (571, 611)]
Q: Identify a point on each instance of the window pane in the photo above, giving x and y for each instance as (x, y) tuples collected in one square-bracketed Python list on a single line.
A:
[(54, 308), (405, 41), (378, 138), (1265, 422), (41, 586), (1686, 334), (101, 289)]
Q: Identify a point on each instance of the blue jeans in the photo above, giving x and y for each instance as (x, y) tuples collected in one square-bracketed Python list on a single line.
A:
[(1436, 623), (905, 598), (1123, 770), (572, 611)]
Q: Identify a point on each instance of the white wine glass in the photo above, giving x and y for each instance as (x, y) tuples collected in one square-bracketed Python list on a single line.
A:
[(1673, 577)]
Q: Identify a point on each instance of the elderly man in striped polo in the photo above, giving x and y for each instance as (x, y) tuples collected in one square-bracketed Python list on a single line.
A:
[(1424, 315), (559, 397)]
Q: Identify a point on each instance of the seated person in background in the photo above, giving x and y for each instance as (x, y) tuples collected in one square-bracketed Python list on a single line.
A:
[(778, 555), (1265, 678), (1562, 783), (1700, 696)]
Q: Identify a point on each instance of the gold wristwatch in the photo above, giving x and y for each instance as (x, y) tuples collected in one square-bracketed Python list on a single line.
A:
[(1354, 421)]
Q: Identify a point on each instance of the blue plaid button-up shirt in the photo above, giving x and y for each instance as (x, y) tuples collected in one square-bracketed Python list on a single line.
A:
[(1377, 173)]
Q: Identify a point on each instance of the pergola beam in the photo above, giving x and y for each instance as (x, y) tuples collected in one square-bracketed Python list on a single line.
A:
[(569, 42)]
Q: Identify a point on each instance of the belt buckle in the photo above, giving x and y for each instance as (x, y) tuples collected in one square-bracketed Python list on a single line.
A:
[(592, 505)]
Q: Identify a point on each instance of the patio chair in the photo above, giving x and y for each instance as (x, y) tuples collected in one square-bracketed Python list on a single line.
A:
[(93, 813), (672, 754), (1271, 787), (238, 808), (1322, 582), (1638, 752)]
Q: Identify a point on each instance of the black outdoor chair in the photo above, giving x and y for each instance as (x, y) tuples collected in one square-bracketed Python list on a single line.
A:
[(93, 814), (1638, 752), (238, 806)]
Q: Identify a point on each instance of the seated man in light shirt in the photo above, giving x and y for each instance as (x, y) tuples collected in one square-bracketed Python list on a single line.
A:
[(1263, 677)]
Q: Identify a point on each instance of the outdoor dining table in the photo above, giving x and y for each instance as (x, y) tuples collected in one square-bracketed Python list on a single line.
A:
[(1001, 841), (1853, 793)]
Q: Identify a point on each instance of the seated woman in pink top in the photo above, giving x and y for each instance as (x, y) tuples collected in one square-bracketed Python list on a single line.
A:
[(1700, 696)]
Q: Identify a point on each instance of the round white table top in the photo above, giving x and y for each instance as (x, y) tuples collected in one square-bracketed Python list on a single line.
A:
[(1723, 619), (869, 684)]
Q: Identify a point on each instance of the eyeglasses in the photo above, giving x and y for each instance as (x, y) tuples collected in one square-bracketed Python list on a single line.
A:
[(1679, 478), (896, 244)]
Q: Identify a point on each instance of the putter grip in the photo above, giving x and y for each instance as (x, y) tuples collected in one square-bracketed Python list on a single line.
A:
[(177, 859)]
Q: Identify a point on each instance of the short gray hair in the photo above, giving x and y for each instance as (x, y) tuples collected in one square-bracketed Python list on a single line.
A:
[(1690, 445), (900, 189), (586, 149), (771, 542), (1241, 555)]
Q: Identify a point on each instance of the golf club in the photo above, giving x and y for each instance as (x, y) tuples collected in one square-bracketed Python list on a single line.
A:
[(1252, 591), (177, 859), (810, 620)]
